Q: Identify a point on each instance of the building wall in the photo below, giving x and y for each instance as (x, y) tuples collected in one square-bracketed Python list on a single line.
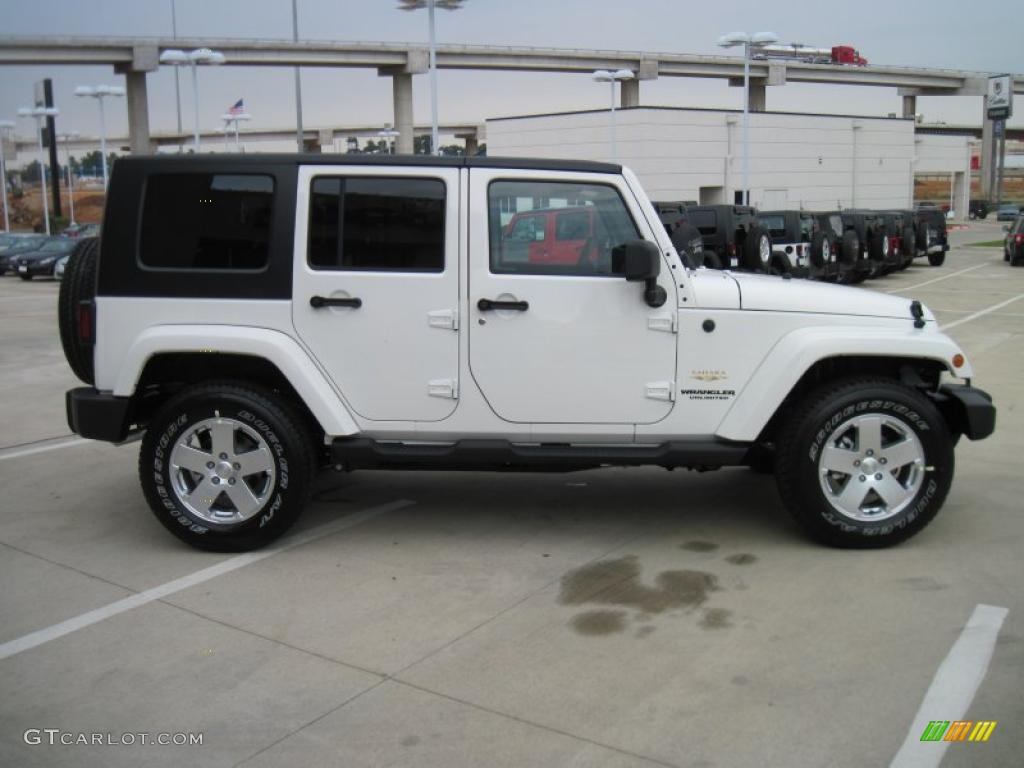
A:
[(809, 161)]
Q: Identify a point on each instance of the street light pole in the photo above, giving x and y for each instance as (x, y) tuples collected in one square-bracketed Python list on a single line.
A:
[(40, 113), (71, 184), (606, 76), (430, 5), (194, 58), (298, 80), (749, 42), (5, 126), (177, 80), (100, 92)]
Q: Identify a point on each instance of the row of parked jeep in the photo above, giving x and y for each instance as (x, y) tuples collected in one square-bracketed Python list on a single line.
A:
[(846, 246)]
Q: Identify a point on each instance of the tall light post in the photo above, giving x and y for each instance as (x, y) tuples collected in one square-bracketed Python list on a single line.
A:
[(607, 76), (66, 137), (749, 43), (177, 80), (5, 127), (298, 80), (193, 59), (101, 92), (230, 118), (430, 5), (40, 114)]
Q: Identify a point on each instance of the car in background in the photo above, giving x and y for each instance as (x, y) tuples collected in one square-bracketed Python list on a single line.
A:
[(42, 261), (978, 209), (902, 239), (60, 266), (931, 235), (1013, 243), (734, 235), (1007, 212), (21, 244), (800, 237), (77, 231)]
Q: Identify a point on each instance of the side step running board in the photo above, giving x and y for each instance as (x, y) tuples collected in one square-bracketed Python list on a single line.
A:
[(498, 455)]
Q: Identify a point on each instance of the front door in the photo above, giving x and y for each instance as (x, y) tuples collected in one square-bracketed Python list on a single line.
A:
[(566, 340), (376, 286)]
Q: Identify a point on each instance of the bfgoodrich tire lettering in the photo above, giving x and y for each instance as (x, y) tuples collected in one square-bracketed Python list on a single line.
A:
[(812, 428), (273, 425)]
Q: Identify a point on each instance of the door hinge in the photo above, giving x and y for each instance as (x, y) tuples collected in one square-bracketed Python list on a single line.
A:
[(448, 388), (444, 318), (667, 324), (661, 390)]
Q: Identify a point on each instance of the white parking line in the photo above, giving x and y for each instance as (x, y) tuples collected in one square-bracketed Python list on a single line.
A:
[(17, 454), (981, 313), (953, 687), (937, 279), (39, 637)]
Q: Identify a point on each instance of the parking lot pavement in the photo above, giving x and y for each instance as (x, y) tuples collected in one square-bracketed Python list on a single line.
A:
[(608, 618)]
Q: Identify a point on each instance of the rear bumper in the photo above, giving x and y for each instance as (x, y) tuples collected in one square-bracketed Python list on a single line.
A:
[(967, 410), (98, 416)]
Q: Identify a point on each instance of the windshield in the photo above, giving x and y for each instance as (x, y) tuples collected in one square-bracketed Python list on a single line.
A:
[(56, 245)]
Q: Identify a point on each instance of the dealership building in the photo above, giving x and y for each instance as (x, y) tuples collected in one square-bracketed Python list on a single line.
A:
[(814, 162)]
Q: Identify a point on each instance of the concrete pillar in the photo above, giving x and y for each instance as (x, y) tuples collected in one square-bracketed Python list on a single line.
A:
[(472, 146), (138, 113), (909, 106), (758, 97), (401, 84), (988, 153), (629, 93)]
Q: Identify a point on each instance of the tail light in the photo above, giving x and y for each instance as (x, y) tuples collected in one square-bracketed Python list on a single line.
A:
[(731, 249), (86, 322), (1018, 239)]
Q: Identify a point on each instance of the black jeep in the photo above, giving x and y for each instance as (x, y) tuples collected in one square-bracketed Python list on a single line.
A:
[(733, 235), (804, 241), (873, 241), (899, 228)]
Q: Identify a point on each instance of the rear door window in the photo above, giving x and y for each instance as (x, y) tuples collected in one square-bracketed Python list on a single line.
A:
[(776, 226)]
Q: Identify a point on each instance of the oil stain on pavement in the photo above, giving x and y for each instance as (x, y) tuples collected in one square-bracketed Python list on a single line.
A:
[(614, 587)]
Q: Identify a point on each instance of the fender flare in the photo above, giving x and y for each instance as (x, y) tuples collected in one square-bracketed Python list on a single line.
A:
[(313, 386), (796, 352)]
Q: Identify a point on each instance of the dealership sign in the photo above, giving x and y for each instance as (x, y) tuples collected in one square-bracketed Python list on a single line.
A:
[(999, 104)]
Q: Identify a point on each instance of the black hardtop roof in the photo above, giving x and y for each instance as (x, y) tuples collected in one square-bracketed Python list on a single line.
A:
[(723, 207), (312, 158), (787, 212)]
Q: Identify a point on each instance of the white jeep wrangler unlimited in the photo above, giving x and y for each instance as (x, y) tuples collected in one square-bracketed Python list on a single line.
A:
[(259, 317)]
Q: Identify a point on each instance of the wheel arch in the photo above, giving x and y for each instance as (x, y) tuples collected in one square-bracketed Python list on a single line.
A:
[(805, 360), (163, 359)]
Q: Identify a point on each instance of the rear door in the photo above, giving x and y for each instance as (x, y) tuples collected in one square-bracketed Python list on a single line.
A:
[(376, 286), (570, 342)]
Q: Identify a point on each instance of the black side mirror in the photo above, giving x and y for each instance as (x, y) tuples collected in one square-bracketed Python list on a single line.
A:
[(640, 261)]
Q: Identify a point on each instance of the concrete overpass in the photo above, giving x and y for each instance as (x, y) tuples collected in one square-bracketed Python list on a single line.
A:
[(134, 57), (314, 139)]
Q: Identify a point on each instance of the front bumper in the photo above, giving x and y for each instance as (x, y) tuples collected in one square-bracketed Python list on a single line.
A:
[(35, 269), (98, 416), (967, 410)]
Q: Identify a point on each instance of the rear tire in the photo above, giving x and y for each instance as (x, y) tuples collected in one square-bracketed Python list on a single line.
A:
[(78, 285), (757, 250), (26, 278), (194, 459), (864, 463), (937, 259)]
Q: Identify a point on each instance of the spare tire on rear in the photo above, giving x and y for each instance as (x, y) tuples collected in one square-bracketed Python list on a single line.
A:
[(757, 250), (849, 249), (908, 245), (78, 285), (819, 246)]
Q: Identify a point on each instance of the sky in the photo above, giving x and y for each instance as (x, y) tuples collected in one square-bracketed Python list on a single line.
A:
[(937, 33)]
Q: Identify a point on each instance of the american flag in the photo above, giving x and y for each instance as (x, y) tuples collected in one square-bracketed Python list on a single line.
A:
[(238, 108)]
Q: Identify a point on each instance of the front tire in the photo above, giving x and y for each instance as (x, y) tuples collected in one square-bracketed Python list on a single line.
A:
[(937, 259), (226, 467), (865, 463)]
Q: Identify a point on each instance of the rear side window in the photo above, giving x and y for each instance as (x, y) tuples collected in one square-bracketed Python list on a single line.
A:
[(706, 222), (806, 228), (377, 224), (776, 226), (205, 221)]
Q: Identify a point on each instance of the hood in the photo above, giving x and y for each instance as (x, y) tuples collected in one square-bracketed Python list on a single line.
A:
[(768, 292)]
